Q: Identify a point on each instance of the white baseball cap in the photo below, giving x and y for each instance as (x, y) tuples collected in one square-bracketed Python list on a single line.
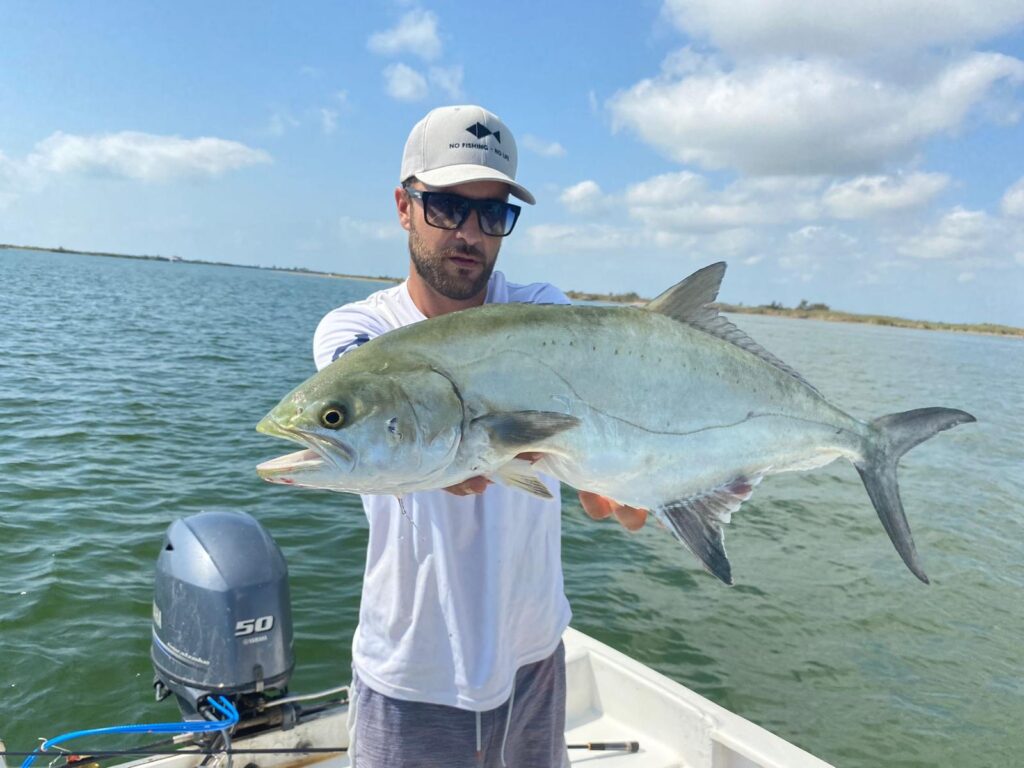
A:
[(453, 145)]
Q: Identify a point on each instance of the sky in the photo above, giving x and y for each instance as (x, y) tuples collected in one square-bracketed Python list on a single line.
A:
[(868, 155)]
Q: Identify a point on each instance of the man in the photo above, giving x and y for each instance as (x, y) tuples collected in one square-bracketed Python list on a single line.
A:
[(457, 658)]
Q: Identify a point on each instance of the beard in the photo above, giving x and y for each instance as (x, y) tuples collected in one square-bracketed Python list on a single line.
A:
[(442, 275)]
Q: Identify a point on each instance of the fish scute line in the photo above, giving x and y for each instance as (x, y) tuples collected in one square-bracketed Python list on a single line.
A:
[(619, 419)]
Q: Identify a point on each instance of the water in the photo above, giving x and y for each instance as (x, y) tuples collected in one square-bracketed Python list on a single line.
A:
[(128, 395)]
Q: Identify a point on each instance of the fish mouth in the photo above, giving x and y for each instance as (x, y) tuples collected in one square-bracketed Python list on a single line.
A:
[(283, 469), (320, 450)]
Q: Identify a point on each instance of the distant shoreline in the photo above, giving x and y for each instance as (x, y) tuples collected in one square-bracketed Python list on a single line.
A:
[(178, 259), (809, 312), (341, 275), (821, 312), (835, 316)]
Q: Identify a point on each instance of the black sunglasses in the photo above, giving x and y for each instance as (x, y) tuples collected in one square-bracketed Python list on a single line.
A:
[(447, 211)]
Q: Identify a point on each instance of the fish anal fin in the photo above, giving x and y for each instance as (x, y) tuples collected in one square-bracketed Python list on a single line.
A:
[(520, 474), (697, 522), (524, 430)]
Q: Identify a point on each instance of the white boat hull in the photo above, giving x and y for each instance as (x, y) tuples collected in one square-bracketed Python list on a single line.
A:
[(610, 698)]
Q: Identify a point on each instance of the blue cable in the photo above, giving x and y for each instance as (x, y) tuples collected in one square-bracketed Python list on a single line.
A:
[(222, 705)]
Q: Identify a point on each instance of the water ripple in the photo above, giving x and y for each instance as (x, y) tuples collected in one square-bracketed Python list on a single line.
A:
[(129, 392)]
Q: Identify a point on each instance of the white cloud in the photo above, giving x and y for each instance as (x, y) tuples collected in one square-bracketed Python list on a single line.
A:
[(448, 79), (689, 61), (11, 181), (735, 243), (562, 238), (802, 252), (869, 196), (668, 189), (142, 156), (807, 116), (361, 229), (684, 201), (959, 234), (585, 197), (416, 34), (329, 114), (800, 28), (1012, 203), (817, 241), (280, 122), (404, 83), (965, 277), (328, 120), (542, 147)]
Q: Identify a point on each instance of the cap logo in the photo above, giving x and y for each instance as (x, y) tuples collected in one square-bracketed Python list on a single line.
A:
[(480, 131)]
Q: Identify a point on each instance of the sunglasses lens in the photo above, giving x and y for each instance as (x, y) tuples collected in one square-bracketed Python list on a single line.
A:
[(497, 218), (445, 211)]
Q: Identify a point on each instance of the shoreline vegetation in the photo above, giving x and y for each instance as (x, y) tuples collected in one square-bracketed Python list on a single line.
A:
[(804, 311), (178, 259), (808, 311)]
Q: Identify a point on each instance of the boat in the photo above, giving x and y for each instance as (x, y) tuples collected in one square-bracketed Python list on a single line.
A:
[(633, 716), (619, 712)]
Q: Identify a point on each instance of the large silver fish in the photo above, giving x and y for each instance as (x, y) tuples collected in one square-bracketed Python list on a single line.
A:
[(668, 407)]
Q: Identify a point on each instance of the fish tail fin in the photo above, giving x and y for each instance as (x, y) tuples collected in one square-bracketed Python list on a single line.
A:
[(893, 436)]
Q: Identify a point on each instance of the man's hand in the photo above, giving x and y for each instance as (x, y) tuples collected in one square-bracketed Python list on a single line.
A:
[(477, 485), (599, 507), (471, 487)]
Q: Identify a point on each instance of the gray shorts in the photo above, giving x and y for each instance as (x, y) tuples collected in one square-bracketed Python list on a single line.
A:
[(527, 731)]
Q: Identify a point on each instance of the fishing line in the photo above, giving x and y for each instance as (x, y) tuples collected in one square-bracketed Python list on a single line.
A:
[(594, 746), (401, 505)]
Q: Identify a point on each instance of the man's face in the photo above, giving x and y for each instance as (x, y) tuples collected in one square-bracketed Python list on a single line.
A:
[(456, 263)]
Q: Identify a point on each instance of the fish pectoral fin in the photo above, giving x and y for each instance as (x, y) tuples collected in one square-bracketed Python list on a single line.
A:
[(524, 430), (519, 474), (697, 522)]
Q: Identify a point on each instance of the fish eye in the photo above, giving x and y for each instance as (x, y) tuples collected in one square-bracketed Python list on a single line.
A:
[(333, 417)]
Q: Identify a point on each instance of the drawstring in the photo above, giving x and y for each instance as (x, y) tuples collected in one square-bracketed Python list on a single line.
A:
[(353, 713), (508, 721), (479, 749)]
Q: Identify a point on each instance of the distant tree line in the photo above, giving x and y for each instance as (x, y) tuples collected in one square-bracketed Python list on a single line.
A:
[(632, 297)]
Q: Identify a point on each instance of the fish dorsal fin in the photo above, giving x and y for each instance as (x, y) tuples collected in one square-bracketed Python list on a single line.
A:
[(692, 302), (688, 300)]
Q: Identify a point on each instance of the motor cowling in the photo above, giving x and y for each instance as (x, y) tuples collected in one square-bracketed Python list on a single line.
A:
[(221, 612)]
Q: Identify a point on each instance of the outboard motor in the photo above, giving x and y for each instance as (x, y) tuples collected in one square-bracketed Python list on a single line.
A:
[(222, 620)]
